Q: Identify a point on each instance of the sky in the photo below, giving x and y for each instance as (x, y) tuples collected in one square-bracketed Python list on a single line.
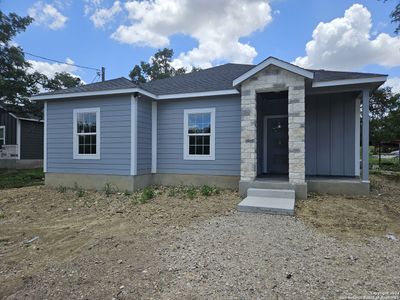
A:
[(319, 34)]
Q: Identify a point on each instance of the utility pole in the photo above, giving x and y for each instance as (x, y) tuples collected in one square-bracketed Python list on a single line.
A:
[(103, 74)]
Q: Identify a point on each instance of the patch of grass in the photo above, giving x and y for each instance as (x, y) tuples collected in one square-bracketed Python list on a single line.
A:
[(21, 178), (208, 191)]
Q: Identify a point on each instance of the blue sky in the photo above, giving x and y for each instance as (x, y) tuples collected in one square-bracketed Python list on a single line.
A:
[(117, 35)]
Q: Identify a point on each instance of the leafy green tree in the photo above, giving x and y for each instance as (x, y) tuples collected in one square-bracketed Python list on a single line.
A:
[(16, 84), (61, 80), (385, 116), (395, 16), (159, 67)]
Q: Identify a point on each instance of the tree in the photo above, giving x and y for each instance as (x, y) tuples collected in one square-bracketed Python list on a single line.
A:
[(395, 16), (16, 84), (159, 68), (385, 116), (61, 80)]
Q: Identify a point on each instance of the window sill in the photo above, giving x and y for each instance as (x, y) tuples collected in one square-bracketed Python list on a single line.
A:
[(199, 157), (86, 156)]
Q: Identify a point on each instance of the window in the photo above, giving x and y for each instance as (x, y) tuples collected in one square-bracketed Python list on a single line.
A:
[(87, 133), (199, 134), (2, 135)]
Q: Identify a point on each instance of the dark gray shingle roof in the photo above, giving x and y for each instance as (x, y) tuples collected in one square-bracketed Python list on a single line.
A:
[(112, 84), (324, 75), (212, 79)]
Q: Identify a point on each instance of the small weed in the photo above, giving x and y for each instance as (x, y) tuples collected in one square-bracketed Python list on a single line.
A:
[(127, 193), (108, 189), (61, 189), (191, 192), (172, 192), (80, 192), (146, 195)]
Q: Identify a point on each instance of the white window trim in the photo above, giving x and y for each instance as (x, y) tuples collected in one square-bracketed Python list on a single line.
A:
[(186, 155), (75, 135), (4, 135)]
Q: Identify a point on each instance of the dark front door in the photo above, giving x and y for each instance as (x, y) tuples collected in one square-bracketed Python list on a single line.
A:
[(277, 152)]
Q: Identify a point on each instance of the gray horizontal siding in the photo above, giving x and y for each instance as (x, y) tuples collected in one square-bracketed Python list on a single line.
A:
[(115, 137), (330, 135), (227, 137), (144, 136)]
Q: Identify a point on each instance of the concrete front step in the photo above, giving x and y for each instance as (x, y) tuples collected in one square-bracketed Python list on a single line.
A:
[(271, 193), (268, 201)]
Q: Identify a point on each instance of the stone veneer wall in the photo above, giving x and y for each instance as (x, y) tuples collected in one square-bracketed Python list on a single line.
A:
[(273, 79)]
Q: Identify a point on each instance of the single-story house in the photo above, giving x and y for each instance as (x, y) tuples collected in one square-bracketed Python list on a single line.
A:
[(269, 126), (21, 140)]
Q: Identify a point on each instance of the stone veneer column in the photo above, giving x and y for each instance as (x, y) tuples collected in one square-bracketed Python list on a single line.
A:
[(296, 120), (248, 140)]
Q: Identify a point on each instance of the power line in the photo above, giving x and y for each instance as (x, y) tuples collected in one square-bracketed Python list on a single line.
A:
[(62, 62)]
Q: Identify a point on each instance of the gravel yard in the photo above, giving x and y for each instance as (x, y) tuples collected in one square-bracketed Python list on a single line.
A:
[(187, 244)]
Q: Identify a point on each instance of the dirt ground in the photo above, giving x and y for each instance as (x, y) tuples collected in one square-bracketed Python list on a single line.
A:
[(91, 246), (356, 217)]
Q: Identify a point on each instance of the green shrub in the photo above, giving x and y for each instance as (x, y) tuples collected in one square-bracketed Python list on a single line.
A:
[(206, 190)]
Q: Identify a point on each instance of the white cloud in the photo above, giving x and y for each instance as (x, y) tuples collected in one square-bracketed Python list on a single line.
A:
[(394, 83), (216, 25), (345, 44), (101, 16), (47, 15), (49, 69)]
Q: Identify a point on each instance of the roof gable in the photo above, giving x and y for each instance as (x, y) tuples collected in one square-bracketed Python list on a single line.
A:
[(276, 62)]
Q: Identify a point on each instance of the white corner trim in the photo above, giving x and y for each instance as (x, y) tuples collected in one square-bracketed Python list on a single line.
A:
[(186, 155), (198, 94), (45, 138), (276, 62), (154, 137), (19, 138), (134, 104), (75, 143), (378, 79), (357, 137)]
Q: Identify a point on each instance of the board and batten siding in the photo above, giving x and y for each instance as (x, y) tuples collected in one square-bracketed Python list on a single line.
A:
[(227, 137), (330, 135), (115, 136), (31, 140), (11, 127), (144, 135)]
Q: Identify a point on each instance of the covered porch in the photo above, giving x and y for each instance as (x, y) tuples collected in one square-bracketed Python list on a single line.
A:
[(301, 136)]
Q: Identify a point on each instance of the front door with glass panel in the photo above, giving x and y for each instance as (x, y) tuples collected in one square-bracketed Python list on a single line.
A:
[(276, 151)]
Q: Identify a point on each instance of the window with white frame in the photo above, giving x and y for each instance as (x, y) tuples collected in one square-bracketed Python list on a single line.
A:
[(2, 135), (87, 133), (199, 134)]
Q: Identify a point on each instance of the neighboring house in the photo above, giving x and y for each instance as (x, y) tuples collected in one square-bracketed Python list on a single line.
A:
[(21, 140), (271, 125)]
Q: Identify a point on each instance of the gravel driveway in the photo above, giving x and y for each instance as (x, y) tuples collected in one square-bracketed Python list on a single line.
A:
[(250, 256)]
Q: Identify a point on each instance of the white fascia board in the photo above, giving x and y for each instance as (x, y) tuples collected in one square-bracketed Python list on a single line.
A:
[(136, 90), (95, 93), (378, 79), (198, 94), (276, 62)]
